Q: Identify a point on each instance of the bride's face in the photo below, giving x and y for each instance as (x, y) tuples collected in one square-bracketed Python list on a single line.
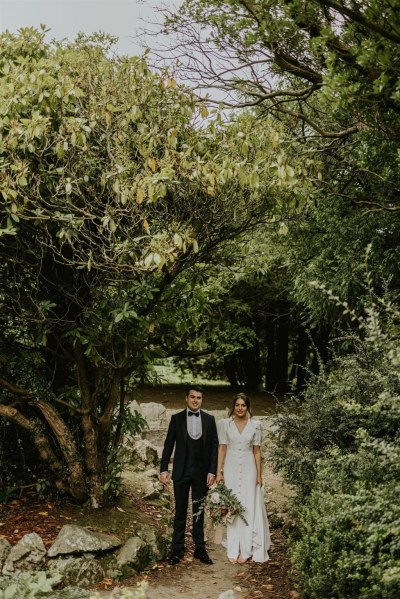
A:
[(240, 408)]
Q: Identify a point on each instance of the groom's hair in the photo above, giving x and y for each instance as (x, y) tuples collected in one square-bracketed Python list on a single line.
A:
[(193, 388)]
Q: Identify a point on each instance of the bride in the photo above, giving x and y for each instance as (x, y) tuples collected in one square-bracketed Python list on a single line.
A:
[(239, 467)]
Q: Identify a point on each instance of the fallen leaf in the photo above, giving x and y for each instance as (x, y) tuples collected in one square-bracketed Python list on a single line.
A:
[(120, 509)]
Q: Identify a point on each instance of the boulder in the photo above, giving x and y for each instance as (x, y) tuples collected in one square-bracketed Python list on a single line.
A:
[(5, 548), (28, 554), (146, 483), (143, 455), (133, 556), (76, 539), (77, 571), (158, 545), (154, 413)]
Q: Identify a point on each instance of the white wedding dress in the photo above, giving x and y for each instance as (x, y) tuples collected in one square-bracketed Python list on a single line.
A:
[(240, 475)]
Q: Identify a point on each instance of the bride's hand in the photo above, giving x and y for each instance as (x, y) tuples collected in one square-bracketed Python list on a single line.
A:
[(219, 479), (259, 481)]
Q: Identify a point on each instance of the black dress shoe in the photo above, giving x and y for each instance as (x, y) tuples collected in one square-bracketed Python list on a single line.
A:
[(201, 554), (175, 558)]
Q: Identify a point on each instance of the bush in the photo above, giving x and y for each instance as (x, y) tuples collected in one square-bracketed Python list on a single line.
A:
[(349, 546), (341, 452), (358, 392), (27, 585)]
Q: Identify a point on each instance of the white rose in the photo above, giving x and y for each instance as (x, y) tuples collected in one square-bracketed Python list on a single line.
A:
[(215, 497)]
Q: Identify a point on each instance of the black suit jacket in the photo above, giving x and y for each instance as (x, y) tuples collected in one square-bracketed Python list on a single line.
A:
[(177, 437)]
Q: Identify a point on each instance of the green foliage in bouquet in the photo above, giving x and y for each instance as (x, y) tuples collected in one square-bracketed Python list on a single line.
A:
[(221, 505)]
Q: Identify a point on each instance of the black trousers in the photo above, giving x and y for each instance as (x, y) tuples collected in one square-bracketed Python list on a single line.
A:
[(182, 487)]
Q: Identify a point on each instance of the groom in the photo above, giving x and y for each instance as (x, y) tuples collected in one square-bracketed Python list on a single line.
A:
[(193, 433)]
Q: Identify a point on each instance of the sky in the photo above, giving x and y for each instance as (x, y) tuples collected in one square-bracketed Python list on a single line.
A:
[(65, 18)]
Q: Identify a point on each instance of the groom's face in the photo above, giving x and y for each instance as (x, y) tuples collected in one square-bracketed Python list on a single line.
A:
[(193, 400)]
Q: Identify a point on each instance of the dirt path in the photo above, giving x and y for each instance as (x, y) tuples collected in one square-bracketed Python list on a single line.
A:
[(191, 579)]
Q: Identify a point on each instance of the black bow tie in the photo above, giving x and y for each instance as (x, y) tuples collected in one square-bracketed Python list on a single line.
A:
[(193, 413)]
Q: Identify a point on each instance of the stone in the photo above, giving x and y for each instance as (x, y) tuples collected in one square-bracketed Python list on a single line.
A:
[(146, 483), (28, 554), (5, 548), (154, 413), (133, 556), (158, 545), (155, 436), (143, 455), (77, 571), (76, 539), (72, 592), (28, 584), (134, 407)]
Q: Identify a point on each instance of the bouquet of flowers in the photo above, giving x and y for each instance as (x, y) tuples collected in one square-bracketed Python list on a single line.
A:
[(221, 505)]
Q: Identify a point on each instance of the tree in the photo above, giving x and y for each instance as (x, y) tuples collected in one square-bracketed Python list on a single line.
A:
[(253, 323), (280, 55), (117, 186), (326, 69)]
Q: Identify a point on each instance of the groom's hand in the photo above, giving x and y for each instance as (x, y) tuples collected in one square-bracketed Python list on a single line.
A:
[(210, 480), (164, 477)]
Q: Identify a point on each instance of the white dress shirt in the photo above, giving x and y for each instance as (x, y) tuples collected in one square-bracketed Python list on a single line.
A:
[(194, 428)]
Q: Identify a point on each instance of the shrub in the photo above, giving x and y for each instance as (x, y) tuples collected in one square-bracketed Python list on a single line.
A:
[(349, 546), (341, 452)]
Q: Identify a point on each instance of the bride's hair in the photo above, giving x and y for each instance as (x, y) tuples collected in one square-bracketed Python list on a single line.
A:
[(246, 401)]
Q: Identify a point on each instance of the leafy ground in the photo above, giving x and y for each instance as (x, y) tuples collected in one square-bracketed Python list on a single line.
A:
[(250, 581)]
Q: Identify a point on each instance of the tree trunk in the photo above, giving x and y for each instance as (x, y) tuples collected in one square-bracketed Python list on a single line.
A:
[(298, 373), (271, 366), (282, 353), (230, 370), (74, 472), (89, 427), (41, 441), (105, 420), (321, 339), (251, 367)]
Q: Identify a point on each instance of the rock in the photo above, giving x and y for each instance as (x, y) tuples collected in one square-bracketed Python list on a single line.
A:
[(134, 407), (143, 455), (75, 539), (158, 544), (133, 556), (147, 483), (155, 436), (72, 593), (77, 571), (227, 595), (5, 548), (28, 584), (140, 551), (279, 519), (155, 414), (28, 554)]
